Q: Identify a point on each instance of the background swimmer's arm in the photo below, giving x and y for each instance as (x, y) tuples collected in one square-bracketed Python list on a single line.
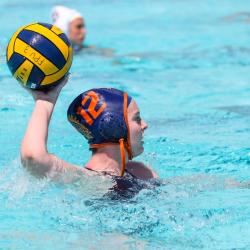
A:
[(34, 152), (244, 16), (105, 52), (140, 170)]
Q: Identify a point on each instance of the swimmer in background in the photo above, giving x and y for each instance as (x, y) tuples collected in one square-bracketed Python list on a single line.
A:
[(72, 23), (238, 16), (108, 118)]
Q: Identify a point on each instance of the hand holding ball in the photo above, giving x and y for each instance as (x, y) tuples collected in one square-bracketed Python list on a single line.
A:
[(39, 55)]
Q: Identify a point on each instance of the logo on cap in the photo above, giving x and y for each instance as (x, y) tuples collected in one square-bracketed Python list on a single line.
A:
[(91, 114)]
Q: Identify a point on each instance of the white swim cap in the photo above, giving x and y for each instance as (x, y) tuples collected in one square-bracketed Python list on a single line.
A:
[(62, 16)]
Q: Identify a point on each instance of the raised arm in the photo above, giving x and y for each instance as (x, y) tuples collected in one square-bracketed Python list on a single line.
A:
[(34, 154)]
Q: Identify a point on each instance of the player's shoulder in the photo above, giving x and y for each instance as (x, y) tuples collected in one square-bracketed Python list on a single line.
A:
[(140, 170)]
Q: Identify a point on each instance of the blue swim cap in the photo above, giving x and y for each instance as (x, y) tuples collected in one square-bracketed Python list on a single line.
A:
[(100, 115)]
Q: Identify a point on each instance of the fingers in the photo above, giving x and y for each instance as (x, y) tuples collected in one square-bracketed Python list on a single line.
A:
[(63, 82), (50, 93), (66, 78)]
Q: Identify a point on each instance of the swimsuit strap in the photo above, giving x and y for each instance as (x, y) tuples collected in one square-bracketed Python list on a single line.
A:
[(107, 173), (102, 172)]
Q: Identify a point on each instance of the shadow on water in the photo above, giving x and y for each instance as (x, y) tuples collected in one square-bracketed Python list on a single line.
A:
[(243, 110), (186, 58)]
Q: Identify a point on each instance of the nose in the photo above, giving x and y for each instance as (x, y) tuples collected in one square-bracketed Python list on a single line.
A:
[(144, 125), (83, 32)]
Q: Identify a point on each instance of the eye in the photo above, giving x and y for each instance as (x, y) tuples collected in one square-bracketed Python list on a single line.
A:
[(79, 26), (138, 119)]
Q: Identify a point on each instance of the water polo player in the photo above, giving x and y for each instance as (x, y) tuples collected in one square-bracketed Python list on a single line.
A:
[(108, 118), (72, 23)]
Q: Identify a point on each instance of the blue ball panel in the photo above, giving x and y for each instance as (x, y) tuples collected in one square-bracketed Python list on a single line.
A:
[(36, 75), (65, 39), (49, 26), (15, 61), (43, 46)]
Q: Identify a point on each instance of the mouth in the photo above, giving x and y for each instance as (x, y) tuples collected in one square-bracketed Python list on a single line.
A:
[(142, 139)]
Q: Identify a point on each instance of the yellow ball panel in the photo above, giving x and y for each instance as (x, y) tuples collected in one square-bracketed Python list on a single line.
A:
[(10, 49), (56, 30), (23, 72)]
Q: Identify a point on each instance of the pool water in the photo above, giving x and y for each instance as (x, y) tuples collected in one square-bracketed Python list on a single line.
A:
[(187, 66)]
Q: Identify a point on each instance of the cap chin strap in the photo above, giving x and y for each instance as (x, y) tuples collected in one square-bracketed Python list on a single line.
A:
[(123, 156), (123, 145), (121, 141), (125, 113)]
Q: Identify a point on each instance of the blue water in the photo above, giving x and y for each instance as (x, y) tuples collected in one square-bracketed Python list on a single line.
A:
[(188, 69)]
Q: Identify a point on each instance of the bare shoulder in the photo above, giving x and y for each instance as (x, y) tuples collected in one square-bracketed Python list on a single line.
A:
[(140, 170)]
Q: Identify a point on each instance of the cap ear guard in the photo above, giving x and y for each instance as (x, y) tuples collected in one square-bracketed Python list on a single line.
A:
[(112, 127)]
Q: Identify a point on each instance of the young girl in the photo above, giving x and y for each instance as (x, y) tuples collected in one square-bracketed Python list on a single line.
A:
[(108, 118), (72, 23)]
